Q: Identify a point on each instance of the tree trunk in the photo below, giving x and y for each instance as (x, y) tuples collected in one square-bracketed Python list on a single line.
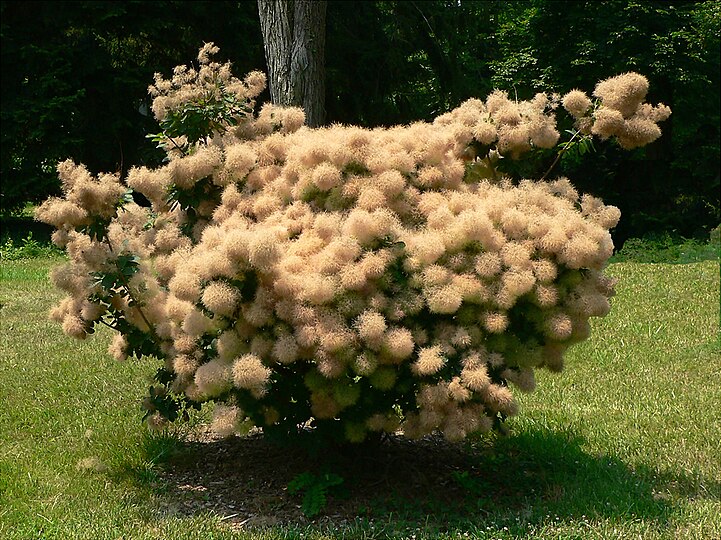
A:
[(294, 41)]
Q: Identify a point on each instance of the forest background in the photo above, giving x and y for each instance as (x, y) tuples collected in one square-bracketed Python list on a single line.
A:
[(75, 78)]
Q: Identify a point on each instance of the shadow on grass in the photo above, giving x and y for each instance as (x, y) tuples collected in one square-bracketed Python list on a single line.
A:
[(516, 481)]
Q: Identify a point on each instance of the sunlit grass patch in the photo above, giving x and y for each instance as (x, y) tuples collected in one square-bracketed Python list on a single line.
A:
[(623, 444)]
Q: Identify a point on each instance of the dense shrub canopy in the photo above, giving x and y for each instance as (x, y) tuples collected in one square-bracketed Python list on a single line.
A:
[(364, 280)]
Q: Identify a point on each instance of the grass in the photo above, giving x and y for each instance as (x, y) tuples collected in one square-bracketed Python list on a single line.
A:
[(625, 443)]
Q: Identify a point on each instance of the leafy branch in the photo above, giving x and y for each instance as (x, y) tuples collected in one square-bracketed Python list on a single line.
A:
[(214, 112), (574, 146)]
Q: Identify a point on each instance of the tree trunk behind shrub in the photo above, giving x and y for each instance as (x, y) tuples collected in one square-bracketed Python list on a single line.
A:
[(294, 40)]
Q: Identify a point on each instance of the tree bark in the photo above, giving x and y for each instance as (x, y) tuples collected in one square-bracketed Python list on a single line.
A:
[(294, 41)]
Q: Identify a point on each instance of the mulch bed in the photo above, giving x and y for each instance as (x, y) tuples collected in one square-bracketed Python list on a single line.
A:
[(245, 479)]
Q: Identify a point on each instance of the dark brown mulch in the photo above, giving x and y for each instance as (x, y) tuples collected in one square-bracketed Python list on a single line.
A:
[(245, 479)]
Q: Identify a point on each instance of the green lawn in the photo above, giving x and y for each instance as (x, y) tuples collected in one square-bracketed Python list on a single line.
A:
[(625, 443)]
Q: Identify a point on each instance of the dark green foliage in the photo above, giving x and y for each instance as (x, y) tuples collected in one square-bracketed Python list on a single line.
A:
[(171, 406), (75, 78), (190, 199), (396, 62), (672, 184), (126, 266), (670, 249), (315, 490), (116, 283), (199, 119)]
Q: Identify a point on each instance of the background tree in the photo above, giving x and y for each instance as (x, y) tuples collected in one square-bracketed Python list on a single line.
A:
[(75, 77), (413, 59), (294, 40), (672, 185)]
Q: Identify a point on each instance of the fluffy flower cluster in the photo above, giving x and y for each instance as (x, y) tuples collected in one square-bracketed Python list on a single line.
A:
[(349, 275), (622, 112), (188, 85)]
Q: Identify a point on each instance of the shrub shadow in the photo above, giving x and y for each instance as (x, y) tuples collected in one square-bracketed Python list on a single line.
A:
[(518, 480)]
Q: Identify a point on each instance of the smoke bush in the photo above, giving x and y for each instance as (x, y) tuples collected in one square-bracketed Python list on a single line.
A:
[(367, 280)]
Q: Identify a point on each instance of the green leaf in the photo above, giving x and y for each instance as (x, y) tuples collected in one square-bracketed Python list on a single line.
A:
[(316, 490)]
